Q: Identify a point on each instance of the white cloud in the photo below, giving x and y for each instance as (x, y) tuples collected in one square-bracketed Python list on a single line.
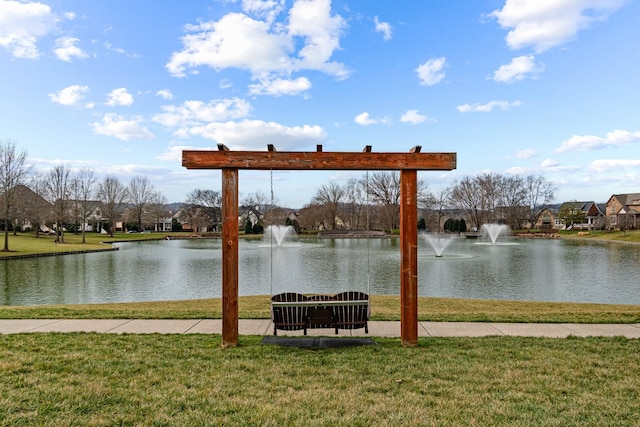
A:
[(119, 97), (192, 113), (527, 153), (256, 134), (174, 152), (165, 94), (66, 49), (614, 138), (363, 119), (488, 107), (235, 41), (69, 96), (546, 24), (279, 87), (119, 50), (384, 28), (268, 9), (430, 72), (121, 128), (312, 20), (412, 116), (550, 165), (263, 47), (518, 170), (617, 165), (518, 69), (22, 24)]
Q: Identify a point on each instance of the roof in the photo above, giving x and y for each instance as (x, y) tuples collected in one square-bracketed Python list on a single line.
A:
[(628, 199)]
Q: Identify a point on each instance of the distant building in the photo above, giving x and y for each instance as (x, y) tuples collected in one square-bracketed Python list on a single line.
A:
[(623, 211)]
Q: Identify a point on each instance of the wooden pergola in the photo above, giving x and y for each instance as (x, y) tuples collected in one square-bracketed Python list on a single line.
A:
[(230, 162)]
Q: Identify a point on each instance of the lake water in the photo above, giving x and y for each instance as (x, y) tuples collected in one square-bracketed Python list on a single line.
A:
[(539, 270)]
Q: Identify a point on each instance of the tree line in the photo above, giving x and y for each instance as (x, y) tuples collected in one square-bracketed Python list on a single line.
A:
[(64, 198), (373, 201)]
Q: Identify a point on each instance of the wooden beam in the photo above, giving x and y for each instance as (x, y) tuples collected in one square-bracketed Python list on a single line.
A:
[(316, 160), (229, 258), (409, 258)]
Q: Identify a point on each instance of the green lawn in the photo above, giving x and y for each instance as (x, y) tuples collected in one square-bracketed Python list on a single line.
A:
[(103, 379), (382, 308), (95, 380), (26, 244), (631, 236)]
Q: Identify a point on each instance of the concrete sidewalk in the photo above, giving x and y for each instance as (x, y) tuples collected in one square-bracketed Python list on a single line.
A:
[(265, 327)]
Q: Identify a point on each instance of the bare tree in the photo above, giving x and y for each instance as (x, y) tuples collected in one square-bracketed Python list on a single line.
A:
[(157, 209), (59, 190), (206, 206), (37, 209), (438, 204), (490, 185), (330, 196), (356, 203), (85, 182), (140, 194), (384, 190), (467, 196), (192, 215), (112, 194), (512, 201), (257, 200), (539, 193), (12, 173)]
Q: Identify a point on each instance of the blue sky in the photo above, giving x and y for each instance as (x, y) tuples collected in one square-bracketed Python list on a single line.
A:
[(512, 86)]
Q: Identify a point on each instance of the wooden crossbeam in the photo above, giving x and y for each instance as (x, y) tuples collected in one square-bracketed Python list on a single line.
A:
[(317, 160)]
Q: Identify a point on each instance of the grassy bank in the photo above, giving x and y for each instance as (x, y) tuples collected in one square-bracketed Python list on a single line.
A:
[(631, 236), (382, 308), (92, 379), (26, 244)]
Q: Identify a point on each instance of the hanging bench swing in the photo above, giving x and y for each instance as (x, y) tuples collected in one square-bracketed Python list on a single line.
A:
[(292, 311)]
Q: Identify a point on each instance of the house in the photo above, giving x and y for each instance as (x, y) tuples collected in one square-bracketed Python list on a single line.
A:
[(592, 215), (548, 219), (249, 214), (623, 211)]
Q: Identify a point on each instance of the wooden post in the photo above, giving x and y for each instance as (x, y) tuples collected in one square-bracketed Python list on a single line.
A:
[(229, 257), (409, 257)]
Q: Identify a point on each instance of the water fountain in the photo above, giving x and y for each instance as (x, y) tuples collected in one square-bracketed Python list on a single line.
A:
[(438, 243), (494, 230), (277, 234)]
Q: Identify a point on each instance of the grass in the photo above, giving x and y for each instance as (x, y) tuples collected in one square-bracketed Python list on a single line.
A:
[(103, 379), (93, 379), (383, 308), (26, 244), (631, 236)]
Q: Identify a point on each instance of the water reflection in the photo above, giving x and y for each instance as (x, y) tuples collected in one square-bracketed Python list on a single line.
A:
[(543, 270)]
